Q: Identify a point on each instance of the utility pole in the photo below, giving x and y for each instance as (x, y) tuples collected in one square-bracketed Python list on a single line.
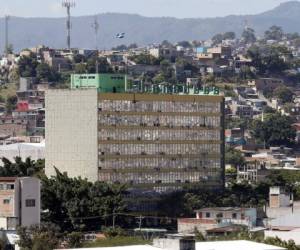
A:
[(68, 4), (7, 18)]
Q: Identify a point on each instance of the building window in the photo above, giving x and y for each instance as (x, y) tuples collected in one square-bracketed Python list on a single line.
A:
[(234, 216), (10, 186), (220, 215), (30, 203), (207, 215), (6, 201)]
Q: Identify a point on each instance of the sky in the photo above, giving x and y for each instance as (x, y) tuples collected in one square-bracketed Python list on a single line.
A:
[(151, 8)]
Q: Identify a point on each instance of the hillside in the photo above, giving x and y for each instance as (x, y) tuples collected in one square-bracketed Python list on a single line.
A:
[(28, 32)]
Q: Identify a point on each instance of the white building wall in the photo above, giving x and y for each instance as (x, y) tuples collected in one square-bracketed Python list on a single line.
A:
[(30, 190), (285, 236), (72, 132)]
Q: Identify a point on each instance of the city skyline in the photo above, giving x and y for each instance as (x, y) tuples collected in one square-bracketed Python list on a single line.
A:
[(153, 8)]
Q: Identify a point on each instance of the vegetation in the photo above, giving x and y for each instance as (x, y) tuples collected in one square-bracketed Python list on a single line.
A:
[(39, 237), (77, 205), (275, 130), (234, 157), (145, 59), (21, 168), (284, 94), (117, 241)]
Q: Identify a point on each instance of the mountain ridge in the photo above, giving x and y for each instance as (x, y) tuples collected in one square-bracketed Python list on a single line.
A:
[(31, 31)]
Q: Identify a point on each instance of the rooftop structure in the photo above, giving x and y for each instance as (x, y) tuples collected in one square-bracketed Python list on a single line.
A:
[(105, 83)]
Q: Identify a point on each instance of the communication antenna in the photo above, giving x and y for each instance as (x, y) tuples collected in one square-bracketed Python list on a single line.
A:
[(7, 18), (68, 4), (96, 26)]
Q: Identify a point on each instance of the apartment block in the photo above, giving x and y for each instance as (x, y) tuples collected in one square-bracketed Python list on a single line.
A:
[(148, 141), (19, 202)]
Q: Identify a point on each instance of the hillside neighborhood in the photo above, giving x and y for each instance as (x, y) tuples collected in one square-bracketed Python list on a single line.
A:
[(175, 145)]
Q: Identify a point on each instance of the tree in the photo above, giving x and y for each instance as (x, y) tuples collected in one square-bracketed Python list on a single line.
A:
[(274, 33), (145, 59), (121, 47), (248, 36), (11, 103), (284, 94), (21, 168), (74, 239), (234, 157), (184, 44), (39, 237), (27, 66), (70, 200), (217, 39), (275, 130), (45, 72), (132, 46), (166, 43), (229, 35), (81, 68)]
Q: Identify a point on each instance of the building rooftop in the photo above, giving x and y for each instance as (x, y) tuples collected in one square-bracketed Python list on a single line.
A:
[(224, 209), (217, 245), (234, 245), (7, 179)]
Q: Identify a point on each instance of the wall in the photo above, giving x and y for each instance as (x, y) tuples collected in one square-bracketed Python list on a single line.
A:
[(286, 236), (30, 190), (71, 132)]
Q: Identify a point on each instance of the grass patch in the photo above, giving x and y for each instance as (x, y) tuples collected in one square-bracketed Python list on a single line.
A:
[(117, 241)]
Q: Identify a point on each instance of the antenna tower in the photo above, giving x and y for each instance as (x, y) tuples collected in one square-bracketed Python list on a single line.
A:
[(68, 4), (96, 27), (7, 18)]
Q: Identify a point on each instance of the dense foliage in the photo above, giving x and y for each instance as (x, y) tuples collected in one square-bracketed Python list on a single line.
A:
[(76, 204), (275, 130)]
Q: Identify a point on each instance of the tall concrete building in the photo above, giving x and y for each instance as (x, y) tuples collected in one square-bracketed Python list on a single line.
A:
[(156, 142)]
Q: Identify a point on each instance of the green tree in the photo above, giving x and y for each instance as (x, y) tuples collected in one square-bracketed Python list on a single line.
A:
[(75, 239), (45, 72), (70, 200), (274, 33), (248, 36), (275, 130), (39, 237), (230, 35), (81, 68), (21, 168), (284, 94), (11, 103), (185, 44), (234, 157), (27, 66)]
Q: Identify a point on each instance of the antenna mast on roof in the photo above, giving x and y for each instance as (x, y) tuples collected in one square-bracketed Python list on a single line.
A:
[(68, 4)]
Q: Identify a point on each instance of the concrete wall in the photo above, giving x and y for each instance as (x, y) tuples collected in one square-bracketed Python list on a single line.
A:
[(71, 132), (30, 189)]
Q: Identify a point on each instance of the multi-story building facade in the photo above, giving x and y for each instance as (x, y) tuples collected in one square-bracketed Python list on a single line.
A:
[(148, 141), (19, 202)]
